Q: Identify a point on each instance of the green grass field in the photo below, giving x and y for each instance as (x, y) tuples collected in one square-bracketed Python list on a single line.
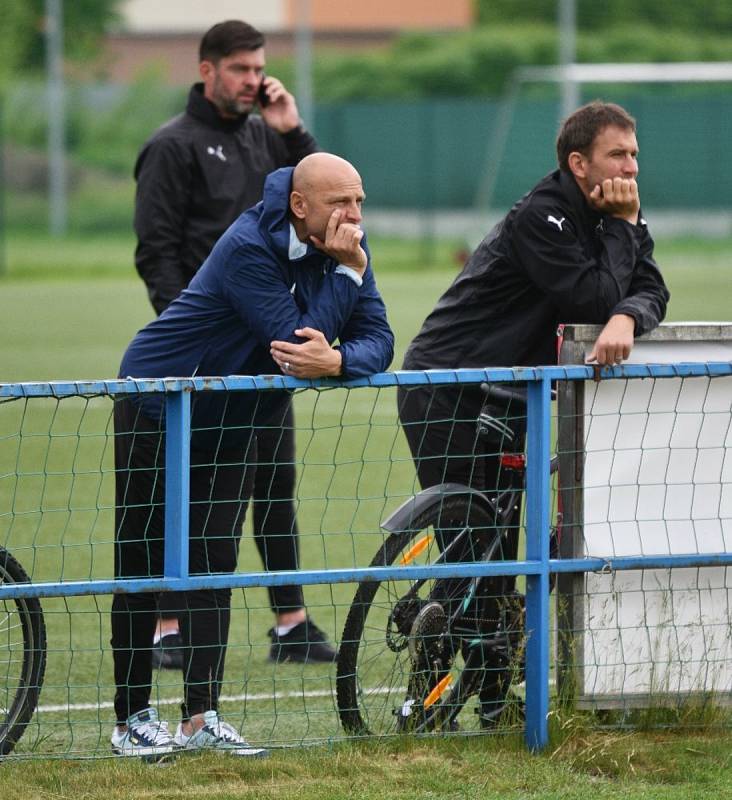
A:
[(599, 766), (69, 308)]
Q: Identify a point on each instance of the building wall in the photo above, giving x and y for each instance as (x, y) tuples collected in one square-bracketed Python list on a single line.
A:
[(193, 16), (383, 14), (164, 35), (186, 16), (175, 56)]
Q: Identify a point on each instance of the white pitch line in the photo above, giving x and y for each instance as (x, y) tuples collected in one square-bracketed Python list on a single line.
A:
[(235, 698)]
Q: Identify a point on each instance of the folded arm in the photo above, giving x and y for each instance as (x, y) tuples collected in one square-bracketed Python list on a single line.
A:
[(366, 343)]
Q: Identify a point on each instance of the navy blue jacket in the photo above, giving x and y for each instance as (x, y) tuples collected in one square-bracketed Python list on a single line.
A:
[(247, 293)]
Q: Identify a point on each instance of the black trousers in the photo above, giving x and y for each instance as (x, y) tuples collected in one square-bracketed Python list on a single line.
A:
[(220, 485), (440, 424), (274, 521)]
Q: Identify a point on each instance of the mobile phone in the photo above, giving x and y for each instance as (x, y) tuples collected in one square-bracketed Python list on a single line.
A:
[(262, 96)]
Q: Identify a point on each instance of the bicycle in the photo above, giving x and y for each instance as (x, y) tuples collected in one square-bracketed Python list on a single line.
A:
[(22, 655), (413, 652)]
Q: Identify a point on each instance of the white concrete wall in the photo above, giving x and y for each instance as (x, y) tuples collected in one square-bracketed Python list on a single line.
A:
[(185, 16), (658, 480)]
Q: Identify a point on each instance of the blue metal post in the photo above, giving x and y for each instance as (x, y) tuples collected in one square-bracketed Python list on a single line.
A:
[(177, 482), (537, 549)]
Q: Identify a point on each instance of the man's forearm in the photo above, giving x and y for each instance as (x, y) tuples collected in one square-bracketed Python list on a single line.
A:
[(299, 143), (647, 297)]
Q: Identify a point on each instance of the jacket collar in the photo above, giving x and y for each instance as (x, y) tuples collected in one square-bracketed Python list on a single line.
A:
[(577, 200), (274, 218), (579, 203), (297, 249), (205, 111)]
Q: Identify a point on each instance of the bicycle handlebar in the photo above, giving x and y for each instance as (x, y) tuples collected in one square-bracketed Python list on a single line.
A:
[(505, 394)]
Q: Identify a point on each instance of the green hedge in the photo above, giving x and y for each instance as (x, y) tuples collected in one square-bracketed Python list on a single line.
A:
[(106, 125), (480, 61), (709, 16)]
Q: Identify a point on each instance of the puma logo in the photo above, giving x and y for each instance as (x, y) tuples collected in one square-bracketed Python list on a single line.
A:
[(557, 222), (218, 152)]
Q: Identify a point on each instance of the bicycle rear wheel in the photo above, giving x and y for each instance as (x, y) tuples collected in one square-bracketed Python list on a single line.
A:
[(22, 656), (413, 652)]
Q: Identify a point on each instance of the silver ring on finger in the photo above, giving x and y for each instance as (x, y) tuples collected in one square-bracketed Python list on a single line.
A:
[(286, 366)]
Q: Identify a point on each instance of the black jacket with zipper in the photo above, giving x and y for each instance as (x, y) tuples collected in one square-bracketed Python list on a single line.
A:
[(195, 176), (552, 259)]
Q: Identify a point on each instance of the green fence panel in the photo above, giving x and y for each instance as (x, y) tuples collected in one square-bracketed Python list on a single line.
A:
[(435, 154)]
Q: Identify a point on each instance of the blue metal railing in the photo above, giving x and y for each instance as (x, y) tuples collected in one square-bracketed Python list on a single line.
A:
[(537, 566)]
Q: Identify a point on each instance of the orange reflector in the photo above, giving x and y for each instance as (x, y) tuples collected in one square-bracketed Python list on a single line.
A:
[(417, 548), (438, 691)]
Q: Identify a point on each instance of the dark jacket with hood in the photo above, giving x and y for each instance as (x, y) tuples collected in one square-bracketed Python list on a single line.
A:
[(195, 175), (552, 259), (248, 293)]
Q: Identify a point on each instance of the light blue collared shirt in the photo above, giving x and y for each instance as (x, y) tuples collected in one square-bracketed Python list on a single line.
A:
[(297, 249)]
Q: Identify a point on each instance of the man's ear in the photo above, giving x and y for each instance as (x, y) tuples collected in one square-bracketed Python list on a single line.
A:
[(577, 164), (298, 205), (206, 69)]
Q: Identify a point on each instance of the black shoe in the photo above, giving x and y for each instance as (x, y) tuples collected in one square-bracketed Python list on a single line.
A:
[(167, 652), (305, 643)]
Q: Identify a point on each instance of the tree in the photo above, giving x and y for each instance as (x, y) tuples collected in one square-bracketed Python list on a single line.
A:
[(713, 16), (16, 34), (22, 45)]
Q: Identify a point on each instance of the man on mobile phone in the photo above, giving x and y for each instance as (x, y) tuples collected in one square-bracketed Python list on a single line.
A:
[(195, 176), (203, 168)]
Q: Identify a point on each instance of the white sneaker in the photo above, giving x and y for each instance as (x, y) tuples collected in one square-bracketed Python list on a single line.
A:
[(145, 736), (217, 735)]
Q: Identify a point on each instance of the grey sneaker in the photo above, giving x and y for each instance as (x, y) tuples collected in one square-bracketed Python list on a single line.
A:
[(217, 735), (146, 736)]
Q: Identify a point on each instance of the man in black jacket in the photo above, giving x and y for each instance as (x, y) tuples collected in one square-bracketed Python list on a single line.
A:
[(195, 176), (574, 249), (206, 166)]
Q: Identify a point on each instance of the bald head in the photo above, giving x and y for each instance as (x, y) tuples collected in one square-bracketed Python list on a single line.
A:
[(320, 169), (321, 184)]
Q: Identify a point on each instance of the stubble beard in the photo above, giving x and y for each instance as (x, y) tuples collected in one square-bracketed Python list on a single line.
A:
[(229, 106)]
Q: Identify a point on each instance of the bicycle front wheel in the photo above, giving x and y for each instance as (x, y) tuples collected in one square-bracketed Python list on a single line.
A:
[(414, 651), (22, 656)]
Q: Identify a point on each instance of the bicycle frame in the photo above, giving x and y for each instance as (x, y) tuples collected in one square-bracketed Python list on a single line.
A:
[(500, 506)]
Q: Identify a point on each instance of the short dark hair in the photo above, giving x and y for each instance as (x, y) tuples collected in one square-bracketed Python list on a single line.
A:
[(229, 37), (579, 130)]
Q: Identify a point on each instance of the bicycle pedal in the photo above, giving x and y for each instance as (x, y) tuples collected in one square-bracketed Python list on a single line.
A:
[(406, 708)]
